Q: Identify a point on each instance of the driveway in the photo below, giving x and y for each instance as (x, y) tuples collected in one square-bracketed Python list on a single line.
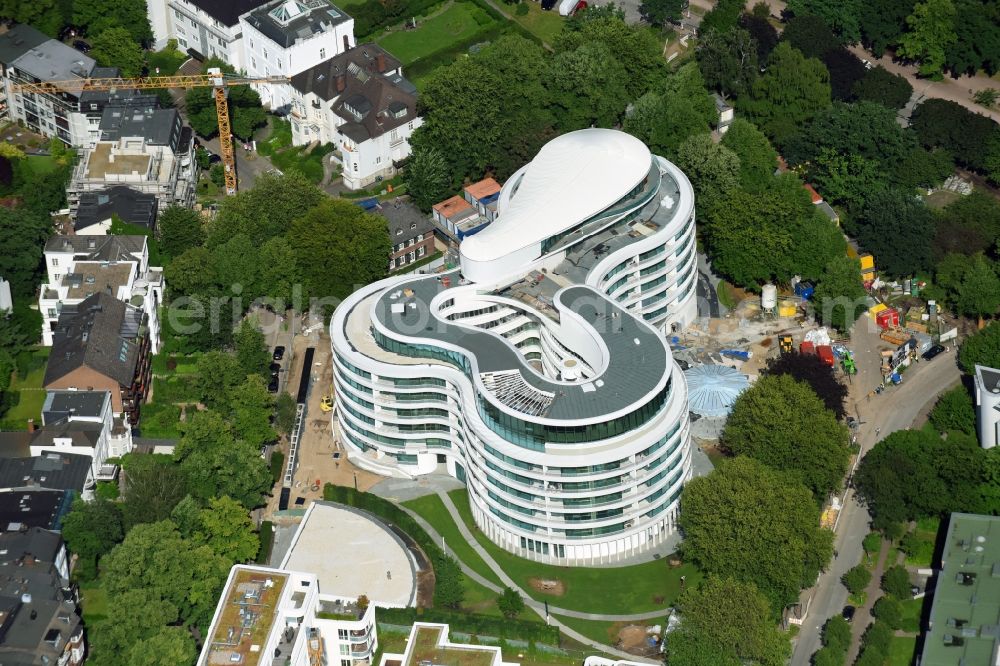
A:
[(894, 409)]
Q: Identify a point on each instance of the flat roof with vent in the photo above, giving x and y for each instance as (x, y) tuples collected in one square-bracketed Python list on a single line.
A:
[(965, 615)]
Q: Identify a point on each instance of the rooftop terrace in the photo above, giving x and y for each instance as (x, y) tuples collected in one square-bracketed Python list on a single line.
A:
[(426, 649), (250, 606), (89, 277), (105, 160)]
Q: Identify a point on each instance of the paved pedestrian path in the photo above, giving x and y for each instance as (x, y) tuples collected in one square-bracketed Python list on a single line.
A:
[(863, 616)]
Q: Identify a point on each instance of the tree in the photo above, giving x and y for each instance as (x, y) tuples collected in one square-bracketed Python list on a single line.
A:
[(758, 159), (24, 232), (783, 423), (837, 633), (977, 39), (251, 349), (897, 228), (763, 34), (244, 107), (914, 474), (168, 646), (793, 89), (756, 525), (187, 516), (954, 411), (733, 618), (136, 615), (810, 370), (251, 406), (510, 603), (896, 582), (225, 527), (931, 34), (981, 348), (279, 275), (92, 529), (882, 22), (840, 297), (713, 168), (846, 70), (215, 463), (940, 123), (840, 15), (153, 487), (848, 179), (237, 266), (199, 323), (880, 85), (810, 34), (890, 611), (114, 47), (448, 588), (191, 272), (978, 213), (427, 178), (723, 16), (590, 89), (219, 373), (180, 229), (265, 211), (284, 417), (872, 543), (856, 579), (96, 16), (728, 60), (688, 648), (155, 557), (662, 12), (48, 16), (978, 293), (358, 258), (922, 168)]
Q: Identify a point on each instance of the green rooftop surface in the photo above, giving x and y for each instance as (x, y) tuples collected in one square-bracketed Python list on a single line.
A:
[(965, 615)]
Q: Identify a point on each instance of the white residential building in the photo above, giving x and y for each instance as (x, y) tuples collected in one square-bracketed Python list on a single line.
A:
[(273, 616), (77, 267), (146, 149), (360, 102), (987, 382), (285, 37), (211, 28), (83, 422), (538, 373)]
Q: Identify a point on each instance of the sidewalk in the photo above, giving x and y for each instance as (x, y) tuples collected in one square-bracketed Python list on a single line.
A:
[(863, 616)]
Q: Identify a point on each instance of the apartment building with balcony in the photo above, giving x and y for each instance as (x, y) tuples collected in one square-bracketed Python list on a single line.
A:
[(538, 373), (285, 37), (144, 148), (273, 616), (102, 344), (360, 101), (78, 267)]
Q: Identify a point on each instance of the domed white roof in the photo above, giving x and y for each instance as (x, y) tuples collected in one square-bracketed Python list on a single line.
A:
[(573, 177), (712, 389)]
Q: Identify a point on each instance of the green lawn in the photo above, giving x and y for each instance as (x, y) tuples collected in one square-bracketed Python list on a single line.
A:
[(901, 650), (636, 589), (94, 602), (168, 61), (183, 365), (911, 615), (28, 384), (458, 23), (926, 536), (432, 509), (597, 630), (542, 24), (40, 164)]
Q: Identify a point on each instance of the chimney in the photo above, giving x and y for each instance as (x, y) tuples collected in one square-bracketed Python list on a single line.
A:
[(380, 60), (347, 43), (341, 83), (31, 425)]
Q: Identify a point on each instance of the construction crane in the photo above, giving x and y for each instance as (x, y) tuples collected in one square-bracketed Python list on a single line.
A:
[(214, 79)]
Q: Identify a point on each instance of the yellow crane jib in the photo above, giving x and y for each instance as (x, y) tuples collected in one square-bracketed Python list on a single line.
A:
[(214, 78)]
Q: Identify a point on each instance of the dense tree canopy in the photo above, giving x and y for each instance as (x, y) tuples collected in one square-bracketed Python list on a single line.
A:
[(941, 123), (264, 211), (91, 529), (427, 178), (840, 297), (728, 60), (678, 109), (153, 486), (981, 348), (931, 34), (180, 229), (662, 12), (245, 108), (882, 22), (714, 170), (24, 232), (782, 423), (758, 159), (880, 85), (897, 228), (96, 16), (968, 225), (954, 411), (792, 91), (809, 369), (810, 34), (756, 525), (840, 15), (115, 47), (977, 38), (589, 89), (915, 474), (731, 619), (846, 71)]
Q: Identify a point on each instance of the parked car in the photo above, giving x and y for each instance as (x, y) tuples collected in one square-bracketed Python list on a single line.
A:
[(848, 613), (279, 353), (275, 368), (272, 386), (81, 46), (932, 352)]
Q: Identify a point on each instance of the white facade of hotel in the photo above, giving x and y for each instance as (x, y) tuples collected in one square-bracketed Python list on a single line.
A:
[(539, 374)]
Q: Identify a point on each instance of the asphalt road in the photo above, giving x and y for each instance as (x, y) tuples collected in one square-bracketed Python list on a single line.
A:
[(894, 409)]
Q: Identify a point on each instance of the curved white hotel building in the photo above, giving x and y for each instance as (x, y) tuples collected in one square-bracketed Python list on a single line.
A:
[(539, 373)]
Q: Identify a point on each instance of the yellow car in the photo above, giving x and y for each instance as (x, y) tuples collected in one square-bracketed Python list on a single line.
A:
[(326, 404)]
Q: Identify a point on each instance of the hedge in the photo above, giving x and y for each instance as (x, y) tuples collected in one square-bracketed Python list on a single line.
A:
[(448, 588), (277, 463), (266, 542), (468, 623)]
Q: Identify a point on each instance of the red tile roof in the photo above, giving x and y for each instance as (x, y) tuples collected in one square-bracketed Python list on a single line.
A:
[(451, 207), (816, 198), (483, 188)]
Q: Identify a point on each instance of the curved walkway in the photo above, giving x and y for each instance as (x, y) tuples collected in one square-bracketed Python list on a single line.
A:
[(537, 606)]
